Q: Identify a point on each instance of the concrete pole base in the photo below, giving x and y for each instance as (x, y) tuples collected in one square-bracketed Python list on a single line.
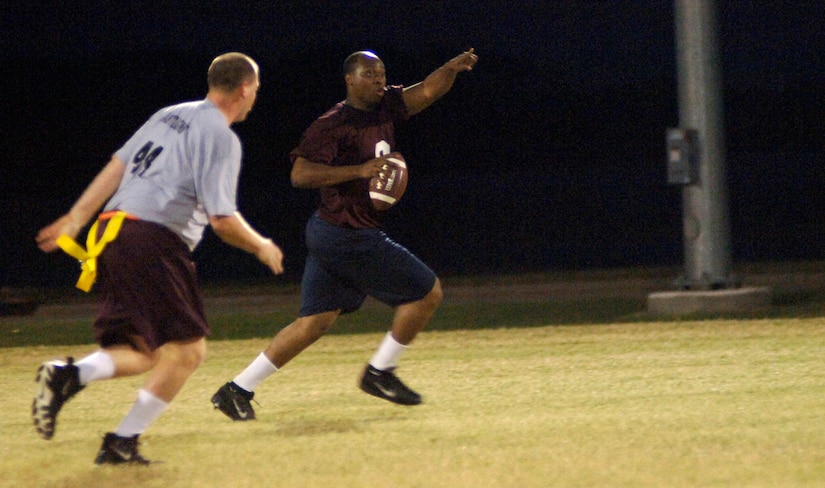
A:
[(711, 301)]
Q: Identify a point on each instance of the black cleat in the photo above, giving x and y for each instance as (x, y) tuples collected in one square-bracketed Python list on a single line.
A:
[(384, 384), (120, 450), (57, 382), (233, 401)]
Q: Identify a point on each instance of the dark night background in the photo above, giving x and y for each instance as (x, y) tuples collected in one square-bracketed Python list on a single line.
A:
[(549, 155)]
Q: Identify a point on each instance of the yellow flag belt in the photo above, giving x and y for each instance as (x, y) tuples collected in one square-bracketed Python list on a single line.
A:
[(88, 256)]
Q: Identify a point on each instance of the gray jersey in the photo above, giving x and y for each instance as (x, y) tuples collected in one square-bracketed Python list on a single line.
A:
[(181, 166)]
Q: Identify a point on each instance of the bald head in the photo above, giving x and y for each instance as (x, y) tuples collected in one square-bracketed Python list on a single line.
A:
[(357, 58)]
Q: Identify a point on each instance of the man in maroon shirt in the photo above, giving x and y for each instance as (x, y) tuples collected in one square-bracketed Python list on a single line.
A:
[(349, 257)]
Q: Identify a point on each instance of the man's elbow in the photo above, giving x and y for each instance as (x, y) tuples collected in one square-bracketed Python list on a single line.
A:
[(220, 224), (299, 180)]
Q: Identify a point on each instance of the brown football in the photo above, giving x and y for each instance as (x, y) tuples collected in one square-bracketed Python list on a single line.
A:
[(389, 185)]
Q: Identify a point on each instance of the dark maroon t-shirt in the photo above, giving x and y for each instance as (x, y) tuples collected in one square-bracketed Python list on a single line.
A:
[(346, 136)]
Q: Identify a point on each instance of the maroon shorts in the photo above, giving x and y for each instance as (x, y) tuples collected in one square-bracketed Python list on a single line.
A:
[(148, 287)]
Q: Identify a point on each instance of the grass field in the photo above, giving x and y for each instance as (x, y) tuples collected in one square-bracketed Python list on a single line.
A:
[(601, 396)]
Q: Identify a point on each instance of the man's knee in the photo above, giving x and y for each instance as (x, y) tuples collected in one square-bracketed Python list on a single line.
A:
[(315, 326), (189, 355), (435, 296)]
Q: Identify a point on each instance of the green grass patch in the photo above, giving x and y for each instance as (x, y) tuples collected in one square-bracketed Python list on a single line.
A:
[(232, 324)]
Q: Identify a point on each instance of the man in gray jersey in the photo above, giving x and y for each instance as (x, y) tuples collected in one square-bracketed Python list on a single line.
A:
[(175, 175)]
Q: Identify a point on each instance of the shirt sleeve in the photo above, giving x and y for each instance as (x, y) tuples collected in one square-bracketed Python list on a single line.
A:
[(320, 142), (217, 165)]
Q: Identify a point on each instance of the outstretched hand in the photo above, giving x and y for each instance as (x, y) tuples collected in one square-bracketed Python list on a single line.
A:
[(421, 95), (464, 61)]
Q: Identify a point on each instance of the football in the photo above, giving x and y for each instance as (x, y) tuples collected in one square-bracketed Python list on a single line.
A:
[(388, 186)]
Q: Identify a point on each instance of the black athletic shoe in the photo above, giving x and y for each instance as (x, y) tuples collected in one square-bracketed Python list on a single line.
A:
[(57, 382), (384, 384), (120, 450), (233, 400)]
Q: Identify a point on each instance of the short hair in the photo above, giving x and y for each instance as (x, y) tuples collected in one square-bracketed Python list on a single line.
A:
[(354, 59), (231, 70)]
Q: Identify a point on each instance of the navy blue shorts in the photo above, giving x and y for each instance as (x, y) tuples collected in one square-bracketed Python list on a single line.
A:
[(344, 266)]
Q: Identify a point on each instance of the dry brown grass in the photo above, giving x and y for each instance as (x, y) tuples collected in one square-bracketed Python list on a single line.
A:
[(705, 403)]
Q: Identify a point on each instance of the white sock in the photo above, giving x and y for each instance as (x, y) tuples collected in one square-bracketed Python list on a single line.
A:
[(386, 357), (258, 370), (146, 410), (96, 366)]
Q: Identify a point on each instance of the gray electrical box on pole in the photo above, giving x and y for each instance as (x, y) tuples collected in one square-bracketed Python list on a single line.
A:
[(696, 150)]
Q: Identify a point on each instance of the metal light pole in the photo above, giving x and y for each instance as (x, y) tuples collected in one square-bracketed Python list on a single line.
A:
[(698, 148), (696, 160)]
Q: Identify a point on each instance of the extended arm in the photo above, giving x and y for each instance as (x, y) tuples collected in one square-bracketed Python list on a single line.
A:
[(235, 231), (421, 95), (99, 190)]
